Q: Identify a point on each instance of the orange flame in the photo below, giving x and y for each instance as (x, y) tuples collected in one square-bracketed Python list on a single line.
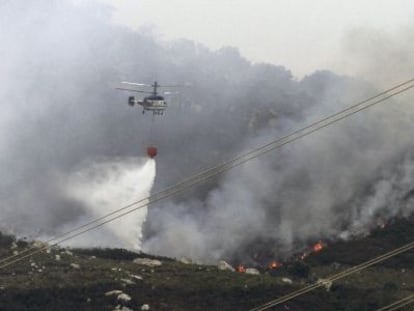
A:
[(241, 269), (317, 247), (274, 265)]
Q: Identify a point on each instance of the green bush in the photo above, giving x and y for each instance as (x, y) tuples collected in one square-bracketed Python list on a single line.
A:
[(299, 269), (391, 287), (6, 240)]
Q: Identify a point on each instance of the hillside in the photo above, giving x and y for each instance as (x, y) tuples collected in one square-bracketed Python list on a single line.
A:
[(82, 279)]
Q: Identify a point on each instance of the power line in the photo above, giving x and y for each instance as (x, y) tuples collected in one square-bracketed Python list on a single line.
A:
[(335, 277), (398, 304), (211, 172), (214, 171)]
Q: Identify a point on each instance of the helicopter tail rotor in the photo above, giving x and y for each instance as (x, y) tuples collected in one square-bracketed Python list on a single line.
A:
[(131, 101)]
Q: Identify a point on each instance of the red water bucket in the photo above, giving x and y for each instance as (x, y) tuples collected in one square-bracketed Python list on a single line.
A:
[(152, 151)]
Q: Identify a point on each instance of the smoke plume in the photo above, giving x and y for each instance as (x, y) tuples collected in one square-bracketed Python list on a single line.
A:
[(101, 188), (61, 116)]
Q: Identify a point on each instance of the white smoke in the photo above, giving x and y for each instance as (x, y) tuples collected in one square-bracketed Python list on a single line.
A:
[(380, 57), (336, 183), (106, 186), (59, 109)]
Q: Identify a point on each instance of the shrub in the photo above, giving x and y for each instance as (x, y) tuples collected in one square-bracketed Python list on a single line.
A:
[(6, 240), (299, 269)]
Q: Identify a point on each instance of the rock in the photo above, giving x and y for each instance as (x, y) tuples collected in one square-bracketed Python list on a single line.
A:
[(148, 262), (145, 307), (113, 292), (186, 261), (68, 252), (128, 281), (286, 280), (123, 297), (75, 266), (39, 244), (252, 271), (136, 277), (116, 269), (222, 265)]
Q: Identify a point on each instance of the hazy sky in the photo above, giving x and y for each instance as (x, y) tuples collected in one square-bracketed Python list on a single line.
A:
[(302, 35)]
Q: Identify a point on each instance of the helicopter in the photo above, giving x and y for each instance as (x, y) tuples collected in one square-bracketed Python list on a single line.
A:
[(154, 102)]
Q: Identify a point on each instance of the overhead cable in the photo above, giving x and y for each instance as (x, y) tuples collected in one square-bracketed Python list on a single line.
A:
[(335, 277), (215, 170), (398, 304)]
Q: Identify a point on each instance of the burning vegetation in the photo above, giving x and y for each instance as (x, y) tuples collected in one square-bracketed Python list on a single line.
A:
[(274, 265), (169, 285), (241, 268), (317, 247)]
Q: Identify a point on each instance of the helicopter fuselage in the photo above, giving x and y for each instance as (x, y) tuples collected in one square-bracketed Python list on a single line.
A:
[(154, 103)]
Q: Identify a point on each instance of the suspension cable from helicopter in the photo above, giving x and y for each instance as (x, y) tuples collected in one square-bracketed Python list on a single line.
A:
[(151, 135), (211, 172)]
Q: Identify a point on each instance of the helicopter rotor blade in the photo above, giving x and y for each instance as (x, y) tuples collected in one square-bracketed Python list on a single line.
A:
[(185, 84), (131, 90), (135, 83), (170, 85)]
